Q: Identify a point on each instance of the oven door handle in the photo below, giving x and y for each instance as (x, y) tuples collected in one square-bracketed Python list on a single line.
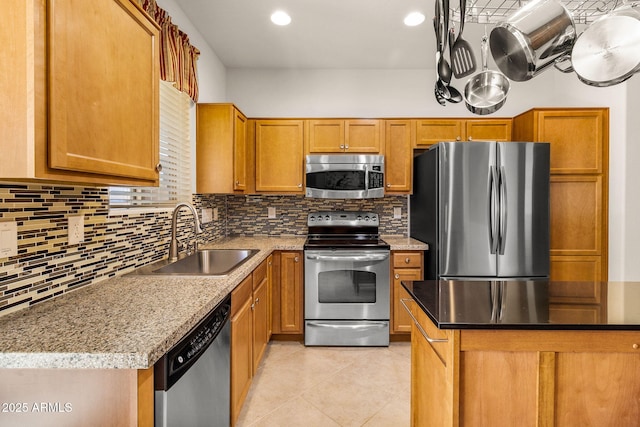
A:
[(357, 258)]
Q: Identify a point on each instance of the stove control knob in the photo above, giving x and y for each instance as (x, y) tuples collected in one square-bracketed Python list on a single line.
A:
[(359, 218), (366, 218), (312, 218), (327, 217)]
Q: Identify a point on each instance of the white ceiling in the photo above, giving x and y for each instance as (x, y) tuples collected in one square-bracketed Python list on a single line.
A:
[(322, 34), (345, 34)]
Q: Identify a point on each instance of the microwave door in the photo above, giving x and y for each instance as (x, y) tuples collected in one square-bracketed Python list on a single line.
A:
[(344, 181)]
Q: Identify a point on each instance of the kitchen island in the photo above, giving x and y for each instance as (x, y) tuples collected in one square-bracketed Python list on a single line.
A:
[(521, 353)]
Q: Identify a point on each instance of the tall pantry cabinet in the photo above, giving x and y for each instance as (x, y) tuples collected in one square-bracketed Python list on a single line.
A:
[(579, 139)]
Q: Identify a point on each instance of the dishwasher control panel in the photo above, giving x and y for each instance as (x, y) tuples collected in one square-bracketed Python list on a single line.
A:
[(186, 352)]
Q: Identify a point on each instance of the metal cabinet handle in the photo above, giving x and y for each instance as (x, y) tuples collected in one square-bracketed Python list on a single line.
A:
[(407, 260), (237, 182), (296, 259), (159, 167), (470, 138), (388, 185), (257, 300), (422, 331), (299, 185), (346, 147), (342, 146), (252, 306), (397, 276), (458, 138)]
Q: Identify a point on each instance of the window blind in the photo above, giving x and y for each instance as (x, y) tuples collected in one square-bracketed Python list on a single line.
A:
[(175, 157)]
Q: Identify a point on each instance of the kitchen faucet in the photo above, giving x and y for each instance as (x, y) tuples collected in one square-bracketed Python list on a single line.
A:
[(197, 228)]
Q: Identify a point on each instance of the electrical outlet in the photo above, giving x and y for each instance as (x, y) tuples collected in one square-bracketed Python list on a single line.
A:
[(8, 239), (271, 212), (76, 229), (206, 215), (397, 213), (215, 214)]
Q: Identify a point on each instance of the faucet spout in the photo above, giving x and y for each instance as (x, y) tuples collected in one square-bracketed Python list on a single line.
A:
[(197, 228)]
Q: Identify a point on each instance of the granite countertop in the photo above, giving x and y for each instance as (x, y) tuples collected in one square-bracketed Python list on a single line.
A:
[(460, 304), (130, 321)]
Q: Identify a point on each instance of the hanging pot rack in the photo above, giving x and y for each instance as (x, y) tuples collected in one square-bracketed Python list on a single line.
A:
[(494, 11)]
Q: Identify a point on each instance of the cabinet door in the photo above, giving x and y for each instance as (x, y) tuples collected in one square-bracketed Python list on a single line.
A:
[(220, 148), (279, 156), (326, 136), (239, 151), (241, 344), (241, 355), (103, 89), (429, 132), (488, 130), (363, 136), (291, 293), (260, 306), (576, 215), (398, 160), (577, 140), (401, 320)]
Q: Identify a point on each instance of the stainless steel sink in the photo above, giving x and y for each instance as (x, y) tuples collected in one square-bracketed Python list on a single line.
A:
[(205, 262)]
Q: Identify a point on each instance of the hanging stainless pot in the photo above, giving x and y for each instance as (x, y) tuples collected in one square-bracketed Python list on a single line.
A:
[(608, 51), (486, 92), (531, 39)]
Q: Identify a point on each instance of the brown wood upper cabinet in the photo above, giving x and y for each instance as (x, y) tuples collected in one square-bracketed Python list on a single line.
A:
[(279, 145), (432, 131), (81, 99), (222, 149), (398, 159), (344, 136)]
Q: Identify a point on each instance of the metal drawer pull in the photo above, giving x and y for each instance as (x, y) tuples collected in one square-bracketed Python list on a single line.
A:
[(422, 331)]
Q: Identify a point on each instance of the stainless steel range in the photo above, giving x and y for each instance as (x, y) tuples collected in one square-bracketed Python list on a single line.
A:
[(347, 283)]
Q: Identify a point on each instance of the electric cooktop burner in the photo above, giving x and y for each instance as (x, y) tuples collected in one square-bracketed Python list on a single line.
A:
[(344, 230)]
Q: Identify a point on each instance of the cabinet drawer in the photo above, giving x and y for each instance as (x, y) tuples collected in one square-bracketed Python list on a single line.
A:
[(260, 274), (407, 259), (241, 294)]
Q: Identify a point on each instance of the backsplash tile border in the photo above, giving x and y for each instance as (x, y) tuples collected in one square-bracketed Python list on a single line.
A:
[(116, 242)]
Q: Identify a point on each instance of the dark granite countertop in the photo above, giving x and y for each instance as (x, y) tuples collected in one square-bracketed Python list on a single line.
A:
[(537, 305)]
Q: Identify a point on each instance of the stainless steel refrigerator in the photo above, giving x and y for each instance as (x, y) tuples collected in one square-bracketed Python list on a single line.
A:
[(483, 208)]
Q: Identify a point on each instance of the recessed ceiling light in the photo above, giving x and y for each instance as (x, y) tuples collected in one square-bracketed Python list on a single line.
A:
[(280, 18), (413, 19)]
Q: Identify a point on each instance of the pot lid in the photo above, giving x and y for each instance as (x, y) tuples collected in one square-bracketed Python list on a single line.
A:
[(608, 51)]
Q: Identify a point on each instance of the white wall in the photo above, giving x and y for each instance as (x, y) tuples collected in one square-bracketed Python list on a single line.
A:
[(409, 93)]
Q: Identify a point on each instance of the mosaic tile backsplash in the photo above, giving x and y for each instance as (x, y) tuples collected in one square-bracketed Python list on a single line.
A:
[(116, 242)]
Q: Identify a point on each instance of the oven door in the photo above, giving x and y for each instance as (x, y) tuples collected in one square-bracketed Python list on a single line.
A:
[(349, 284)]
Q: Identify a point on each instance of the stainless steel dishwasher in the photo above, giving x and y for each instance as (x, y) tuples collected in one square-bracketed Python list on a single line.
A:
[(192, 381)]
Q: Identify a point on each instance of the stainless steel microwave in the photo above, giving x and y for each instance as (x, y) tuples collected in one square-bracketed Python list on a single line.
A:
[(344, 176)]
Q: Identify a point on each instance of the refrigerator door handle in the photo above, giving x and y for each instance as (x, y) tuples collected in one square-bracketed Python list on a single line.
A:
[(502, 237), (493, 210)]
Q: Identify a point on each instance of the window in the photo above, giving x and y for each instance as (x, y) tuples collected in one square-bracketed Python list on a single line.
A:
[(175, 157)]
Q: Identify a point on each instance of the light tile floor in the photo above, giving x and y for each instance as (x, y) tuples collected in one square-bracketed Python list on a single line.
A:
[(330, 386)]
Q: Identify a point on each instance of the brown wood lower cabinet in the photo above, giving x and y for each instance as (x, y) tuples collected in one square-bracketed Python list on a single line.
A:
[(287, 298), (467, 377), (250, 303), (406, 265)]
